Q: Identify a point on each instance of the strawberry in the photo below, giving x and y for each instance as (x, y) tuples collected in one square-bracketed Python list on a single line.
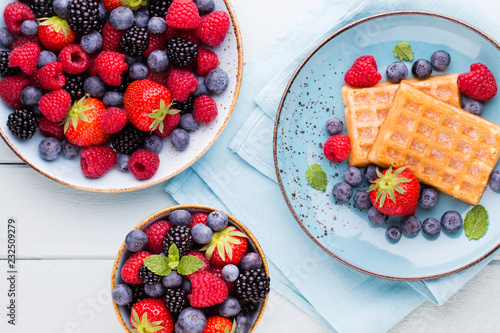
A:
[(218, 324), (143, 164), (74, 59), (204, 109), (183, 14), (110, 67), (155, 234), (14, 14), (130, 270), (134, 5), (479, 83), (26, 57), (55, 105), (213, 28), (96, 161), (11, 88), (207, 290), (226, 247), (113, 120), (395, 192), (198, 218), (206, 61), (82, 126), (181, 84), (51, 129), (170, 122), (337, 148), (54, 33), (363, 72), (51, 76), (151, 316)]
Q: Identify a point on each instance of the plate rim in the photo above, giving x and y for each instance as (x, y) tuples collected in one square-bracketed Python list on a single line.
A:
[(277, 121)]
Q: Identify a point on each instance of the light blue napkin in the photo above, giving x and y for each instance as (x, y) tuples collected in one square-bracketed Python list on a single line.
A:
[(237, 174)]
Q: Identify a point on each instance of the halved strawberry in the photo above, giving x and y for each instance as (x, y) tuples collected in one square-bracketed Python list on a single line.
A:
[(227, 246)]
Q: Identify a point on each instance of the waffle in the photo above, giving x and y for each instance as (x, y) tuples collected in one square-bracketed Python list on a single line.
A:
[(366, 108), (444, 146)]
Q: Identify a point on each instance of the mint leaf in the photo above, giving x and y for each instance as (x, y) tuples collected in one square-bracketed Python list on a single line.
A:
[(158, 265), (316, 177), (476, 222), (173, 253), (403, 51), (189, 265)]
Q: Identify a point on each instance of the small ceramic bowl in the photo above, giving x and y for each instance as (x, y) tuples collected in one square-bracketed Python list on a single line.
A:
[(124, 254)]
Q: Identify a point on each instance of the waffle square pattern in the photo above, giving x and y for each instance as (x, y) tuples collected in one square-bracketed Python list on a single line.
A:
[(444, 146)]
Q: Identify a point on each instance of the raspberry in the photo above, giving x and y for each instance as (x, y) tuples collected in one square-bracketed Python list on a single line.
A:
[(26, 57), (217, 271), (111, 38), (51, 76), (159, 78), (198, 218), (55, 105), (478, 84), (213, 28), (110, 67), (92, 65), (156, 42), (155, 234), (143, 164), (181, 84), (170, 123), (130, 270), (35, 79), (21, 40), (206, 61), (97, 160), (183, 14), (113, 120), (207, 290), (363, 72), (11, 88), (15, 13), (74, 59), (204, 109), (337, 147), (51, 129), (186, 34)]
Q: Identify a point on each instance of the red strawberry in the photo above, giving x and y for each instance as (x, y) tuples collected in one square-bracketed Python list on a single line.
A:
[(51, 129), (201, 256), (207, 290), (395, 192), (21, 40), (206, 61), (54, 33), (363, 72), (183, 14), (156, 42), (96, 161), (55, 105), (74, 59), (134, 5), (218, 324), (213, 28), (110, 67), (181, 84), (170, 122), (11, 88), (226, 247), (151, 315), (337, 148), (14, 14), (155, 234), (111, 38), (479, 83), (217, 271), (51, 76), (26, 57), (198, 218), (204, 109), (113, 120), (186, 34), (143, 164), (130, 270), (82, 126)]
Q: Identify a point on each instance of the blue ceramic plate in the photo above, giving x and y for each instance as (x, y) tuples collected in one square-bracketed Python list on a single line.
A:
[(313, 95)]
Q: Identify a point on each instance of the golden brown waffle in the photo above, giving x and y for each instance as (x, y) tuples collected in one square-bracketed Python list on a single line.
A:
[(444, 146), (366, 108)]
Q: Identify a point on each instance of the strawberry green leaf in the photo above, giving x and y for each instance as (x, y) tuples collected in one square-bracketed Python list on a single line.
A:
[(158, 265), (189, 265), (159, 114), (142, 325)]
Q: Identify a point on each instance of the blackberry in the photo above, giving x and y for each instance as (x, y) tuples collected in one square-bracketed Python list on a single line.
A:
[(176, 300), (138, 294), (135, 41), (181, 236), (147, 276), (128, 140), (74, 86), (5, 69), (42, 8), (181, 52), (252, 286), (83, 16), (185, 106), (249, 307), (159, 8), (22, 123)]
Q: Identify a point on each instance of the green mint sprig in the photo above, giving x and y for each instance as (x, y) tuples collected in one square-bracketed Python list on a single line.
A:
[(163, 266), (476, 222), (403, 51), (316, 177)]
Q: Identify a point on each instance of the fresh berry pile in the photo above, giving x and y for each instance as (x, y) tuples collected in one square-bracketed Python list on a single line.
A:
[(121, 75), (191, 271)]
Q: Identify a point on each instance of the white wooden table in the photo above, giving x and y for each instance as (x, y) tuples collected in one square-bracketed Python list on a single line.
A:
[(67, 238)]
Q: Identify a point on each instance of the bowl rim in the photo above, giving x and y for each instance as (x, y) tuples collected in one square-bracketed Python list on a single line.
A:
[(157, 215)]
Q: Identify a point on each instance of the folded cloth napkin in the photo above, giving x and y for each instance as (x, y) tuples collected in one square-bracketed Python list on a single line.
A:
[(237, 174)]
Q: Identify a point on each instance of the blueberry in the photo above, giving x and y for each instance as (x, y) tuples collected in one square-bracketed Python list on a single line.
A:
[(471, 105), (201, 233), (201, 88), (173, 280), (94, 86), (352, 176), (122, 294), (230, 307), (69, 150), (30, 95), (186, 285), (158, 61), (362, 200), (411, 225), (156, 290), (230, 272), (376, 217), (45, 57), (29, 28), (429, 197), (157, 25), (342, 192), (179, 217), (396, 72), (251, 260), (130, 60), (6, 37), (451, 221), (61, 8), (136, 240), (122, 162), (217, 220), (91, 42), (243, 323), (103, 12), (371, 172), (431, 226), (393, 233), (190, 320), (217, 81), (180, 139), (421, 69), (49, 148), (121, 18), (141, 19), (205, 6), (334, 125), (138, 71), (154, 143), (495, 181), (36, 110), (188, 123), (440, 60), (113, 99)]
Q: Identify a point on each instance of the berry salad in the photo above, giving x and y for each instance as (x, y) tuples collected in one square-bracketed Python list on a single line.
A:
[(115, 85), (190, 269)]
